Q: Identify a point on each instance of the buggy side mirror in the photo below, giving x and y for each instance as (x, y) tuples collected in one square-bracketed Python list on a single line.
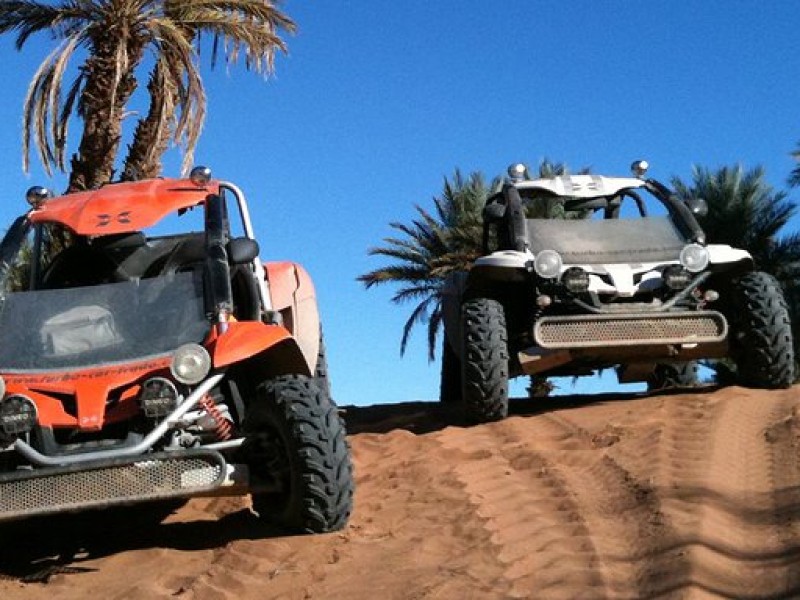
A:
[(242, 250)]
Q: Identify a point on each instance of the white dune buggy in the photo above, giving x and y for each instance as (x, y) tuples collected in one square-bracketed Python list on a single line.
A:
[(580, 273)]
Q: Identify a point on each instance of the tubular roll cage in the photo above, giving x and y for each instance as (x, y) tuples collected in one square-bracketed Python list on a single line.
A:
[(512, 231)]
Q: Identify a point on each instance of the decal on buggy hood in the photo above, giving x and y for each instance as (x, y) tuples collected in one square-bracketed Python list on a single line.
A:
[(582, 186)]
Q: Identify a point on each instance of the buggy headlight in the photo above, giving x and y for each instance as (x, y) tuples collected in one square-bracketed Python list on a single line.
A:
[(190, 364), (575, 279), (18, 415), (676, 277), (694, 257), (547, 264), (158, 397)]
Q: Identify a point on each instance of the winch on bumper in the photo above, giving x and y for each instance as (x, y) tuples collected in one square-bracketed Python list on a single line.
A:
[(155, 476)]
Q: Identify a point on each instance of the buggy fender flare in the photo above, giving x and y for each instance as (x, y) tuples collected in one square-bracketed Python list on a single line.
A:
[(292, 294), (723, 254), (247, 339)]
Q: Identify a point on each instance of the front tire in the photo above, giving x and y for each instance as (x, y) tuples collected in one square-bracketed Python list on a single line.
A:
[(296, 442), (761, 333), (485, 361)]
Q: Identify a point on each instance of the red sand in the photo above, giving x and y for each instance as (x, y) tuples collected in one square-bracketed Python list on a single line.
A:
[(672, 496)]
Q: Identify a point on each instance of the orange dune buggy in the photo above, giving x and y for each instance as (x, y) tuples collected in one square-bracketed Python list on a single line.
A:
[(138, 364)]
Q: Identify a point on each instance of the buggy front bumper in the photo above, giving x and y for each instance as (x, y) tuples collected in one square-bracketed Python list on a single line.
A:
[(108, 482), (638, 329)]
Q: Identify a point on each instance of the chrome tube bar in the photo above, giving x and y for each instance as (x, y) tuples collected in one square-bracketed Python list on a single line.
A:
[(191, 400)]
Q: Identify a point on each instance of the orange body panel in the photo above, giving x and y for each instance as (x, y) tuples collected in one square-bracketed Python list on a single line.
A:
[(244, 339), (292, 293), (282, 280), (123, 207), (90, 387)]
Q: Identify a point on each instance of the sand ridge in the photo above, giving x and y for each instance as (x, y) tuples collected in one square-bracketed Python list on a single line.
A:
[(688, 495)]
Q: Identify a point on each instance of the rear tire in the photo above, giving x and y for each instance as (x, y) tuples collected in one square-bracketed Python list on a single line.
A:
[(450, 388), (296, 439), (761, 333), (673, 375), (485, 362)]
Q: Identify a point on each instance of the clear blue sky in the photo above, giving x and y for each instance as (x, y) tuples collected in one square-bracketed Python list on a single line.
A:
[(379, 100)]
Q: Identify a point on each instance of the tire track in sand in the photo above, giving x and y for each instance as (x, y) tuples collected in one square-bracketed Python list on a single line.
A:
[(737, 495), (528, 510), (568, 520)]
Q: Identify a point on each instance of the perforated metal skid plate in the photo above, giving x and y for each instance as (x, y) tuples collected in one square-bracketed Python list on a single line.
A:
[(121, 481), (593, 331)]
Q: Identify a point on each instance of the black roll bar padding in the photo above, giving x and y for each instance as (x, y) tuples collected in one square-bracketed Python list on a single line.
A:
[(492, 211), (217, 270), (516, 228), (678, 209)]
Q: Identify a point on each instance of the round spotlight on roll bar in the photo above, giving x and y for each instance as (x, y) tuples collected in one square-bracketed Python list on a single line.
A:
[(547, 264), (190, 364), (518, 172), (18, 415), (639, 168), (37, 196), (200, 176), (694, 258)]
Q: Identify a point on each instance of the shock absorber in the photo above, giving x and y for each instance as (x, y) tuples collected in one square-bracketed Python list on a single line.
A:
[(222, 426)]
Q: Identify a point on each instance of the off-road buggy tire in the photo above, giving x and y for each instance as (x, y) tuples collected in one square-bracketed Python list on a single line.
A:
[(450, 385), (485, 364), (761, 332), (673, 375), (296, 424)]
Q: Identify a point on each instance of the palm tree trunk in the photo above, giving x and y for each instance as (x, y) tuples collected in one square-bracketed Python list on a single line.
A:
[(153, 132), (108, 87)]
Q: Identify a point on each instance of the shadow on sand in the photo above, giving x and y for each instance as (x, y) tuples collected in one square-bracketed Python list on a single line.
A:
[(35, 549), (427, 417)]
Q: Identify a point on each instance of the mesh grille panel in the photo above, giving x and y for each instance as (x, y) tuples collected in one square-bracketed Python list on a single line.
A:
[(147, 479), (594, 331)]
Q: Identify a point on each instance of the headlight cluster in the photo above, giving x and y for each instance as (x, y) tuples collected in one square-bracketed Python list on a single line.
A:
[(159, 396)]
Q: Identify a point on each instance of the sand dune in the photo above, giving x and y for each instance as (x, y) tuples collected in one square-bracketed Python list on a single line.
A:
[(693, 495)]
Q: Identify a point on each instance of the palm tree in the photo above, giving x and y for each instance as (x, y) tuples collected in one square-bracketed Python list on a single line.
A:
[(252, 25), (116, 35), (433, 246), (436, 245), (744, 211)]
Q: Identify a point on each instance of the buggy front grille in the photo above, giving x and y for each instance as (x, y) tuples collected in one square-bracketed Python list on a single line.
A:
[(120, 481), (592, 331)]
